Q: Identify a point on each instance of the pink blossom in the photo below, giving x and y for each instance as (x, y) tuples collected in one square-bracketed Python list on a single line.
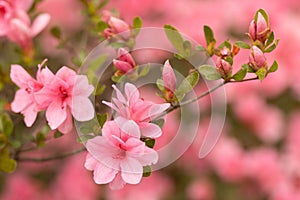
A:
[(24, 101), (117, 158), (125, 63), (132, 111), (66, 95), (223, 67), (257, 58), (16, 25), (259, 29), (116, 26), (169, 78)]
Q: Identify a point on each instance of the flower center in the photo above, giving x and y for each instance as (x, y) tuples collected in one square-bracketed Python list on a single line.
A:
[(63, 93)]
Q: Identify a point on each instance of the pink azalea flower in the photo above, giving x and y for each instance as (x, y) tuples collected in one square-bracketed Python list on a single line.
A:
[(117, 158), (132, 111), (24, 101), (66, 95), (16, 25), (125, 63)]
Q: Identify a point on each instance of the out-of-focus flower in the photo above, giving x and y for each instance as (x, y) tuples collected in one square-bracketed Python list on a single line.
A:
[(116, 26), (259, 29), (223, 67), (125, 63), (257, 58), (134, 111), (169, 80), (16, 25), (117, 158), (67, 93), (24, 100), (201, 189)]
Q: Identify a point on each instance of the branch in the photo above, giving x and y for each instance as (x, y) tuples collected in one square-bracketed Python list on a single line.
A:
[(55, 157)]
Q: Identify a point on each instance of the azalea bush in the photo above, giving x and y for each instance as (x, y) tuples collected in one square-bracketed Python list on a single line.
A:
[(94, 104)]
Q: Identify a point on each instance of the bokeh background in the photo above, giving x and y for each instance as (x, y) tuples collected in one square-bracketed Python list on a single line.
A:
[(258, 154)]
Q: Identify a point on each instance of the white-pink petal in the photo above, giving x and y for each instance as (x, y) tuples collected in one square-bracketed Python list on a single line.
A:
[(39, 24), (132, 170), (128, 126), (56, 114), (103, 174), (82, 108), (82, 87), (19, 76), (21, 101), (118, 183), (30, 115), (150, 130)]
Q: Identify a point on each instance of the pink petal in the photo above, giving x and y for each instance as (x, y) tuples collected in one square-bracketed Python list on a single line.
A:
[(109, 104), (21, 101), (150, 130), (19, 76), (67, 75), (67, 125), (132, 171), (158, 109), (45, 76), (123, 66), (117, 183), (120, 96), (132, 93), (24, 4), (128, 126), (30, 115), (126, 57), (90, 162), (39, 24), (82, 87), (56, 114), (169, 77), (149, 156), (82, 108), (45, 97), (111, 128), (103, 174), (19, 32)]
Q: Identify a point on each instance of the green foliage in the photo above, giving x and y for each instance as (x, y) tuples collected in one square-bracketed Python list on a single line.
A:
[(248, 68), (240, 75), (40, 139), (94, 66), (242, 45), (144, 70), (176, 39), (7, 164), (102, 119), (101, 26), (264, 14), (160, 85), (209, 72), (187, 85), (56, 32), (209, 35), (274, 67), (149, 142), (159, 122), (6, 124), (261, 73), (146, 171), (137, 25)]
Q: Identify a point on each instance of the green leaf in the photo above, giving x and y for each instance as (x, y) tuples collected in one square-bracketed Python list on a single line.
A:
[(270, 39), (242, 45), (240, 75), (40, 139), (102, 119), (146, 171), (226, 43), (15, 144), (100, 90), (209, 35), (56, 32), (102, 4), (270, 49), (137, 24), (84, 138), (101, 26), (58, 134), (175, 38), (248, 68), (160, 85), (200, 48), (274, 67), (145, 70), (3, 141), (187, 47), (7, 165), (93, 66), (150, 142), (261, 73), (159, 122), (209, 72), (6, 125), (187, 85)]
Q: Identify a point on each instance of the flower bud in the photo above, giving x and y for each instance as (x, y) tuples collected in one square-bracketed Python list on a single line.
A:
[(125, 63), (259, 29), (169, 77), (225, 52), (257, 58), (224, 67)]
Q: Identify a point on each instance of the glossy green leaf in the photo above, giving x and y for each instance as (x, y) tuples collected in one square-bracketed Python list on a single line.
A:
[(240, 75), (274, 67), (146, 171), (187, 85), (145, 70), (175, 38), (261, 73), (137, 25), (209, 72), (270, 39), (160, 85), (209, 35), (242, 45), (102, 119)]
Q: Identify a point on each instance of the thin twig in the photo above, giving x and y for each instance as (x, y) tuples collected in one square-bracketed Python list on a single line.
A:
[(55, 157)]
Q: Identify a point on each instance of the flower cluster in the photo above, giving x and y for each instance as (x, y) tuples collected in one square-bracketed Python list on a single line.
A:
[(61, 95), (15, 22), (118, 156)]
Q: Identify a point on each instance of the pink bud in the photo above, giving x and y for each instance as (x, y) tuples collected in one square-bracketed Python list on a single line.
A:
[(259, 29), (225, 52), (169, 77), (125, 63), (118, 25), (257, 58), (223, 67)]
